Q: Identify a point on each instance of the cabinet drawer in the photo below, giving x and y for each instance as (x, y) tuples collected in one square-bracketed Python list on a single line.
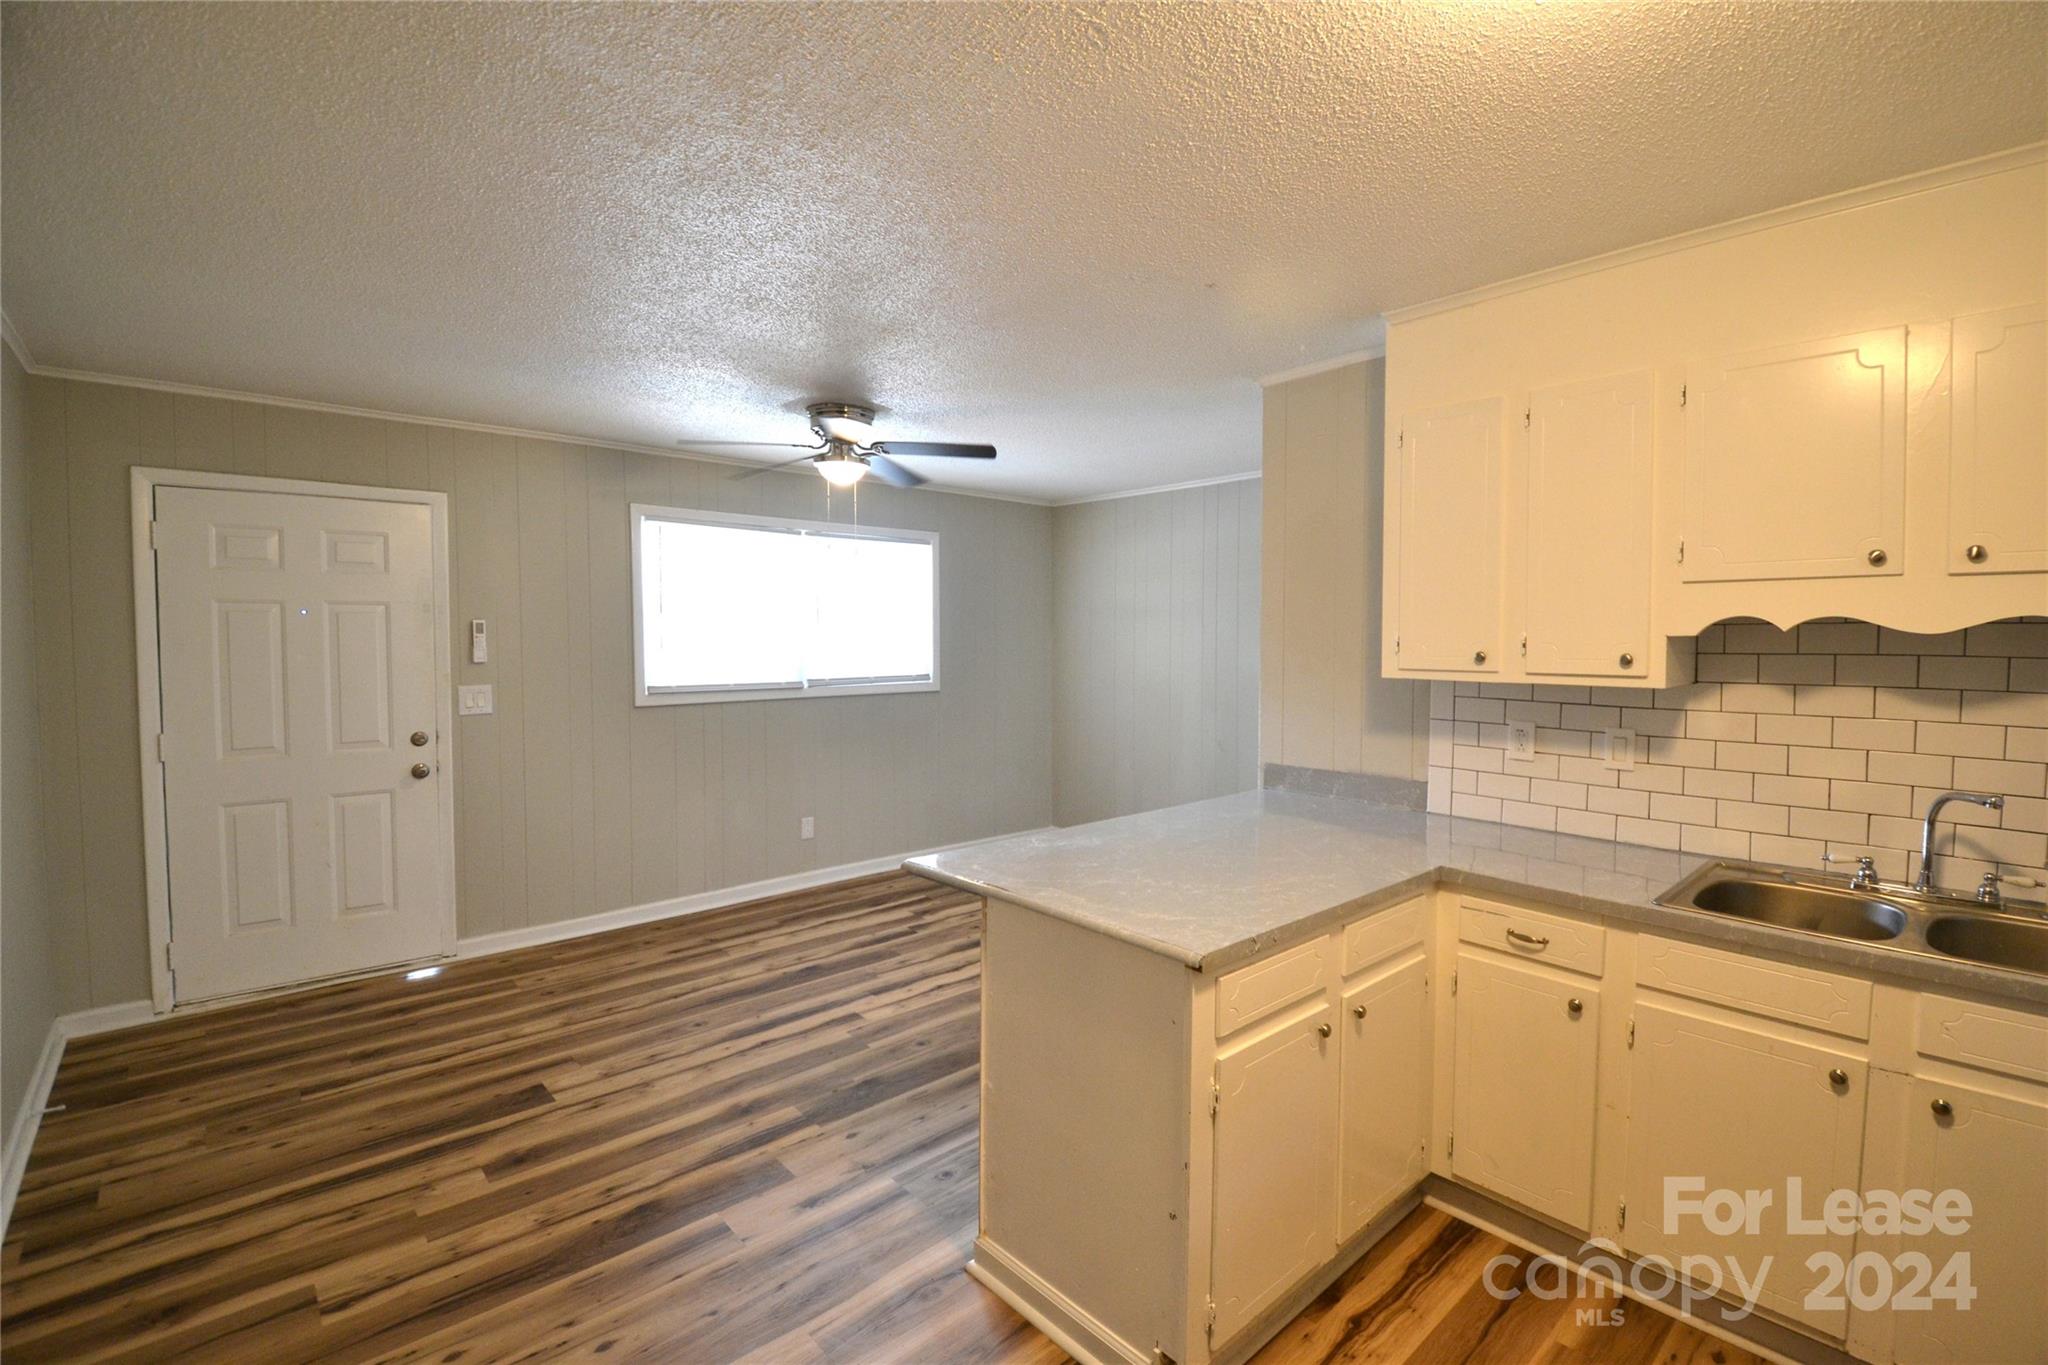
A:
[(1549, 939), (1988, 1037), (1378, 937), (1775, 990), (1272, 983)]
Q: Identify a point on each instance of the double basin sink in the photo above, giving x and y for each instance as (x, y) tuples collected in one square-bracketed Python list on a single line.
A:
[(2013, 937)]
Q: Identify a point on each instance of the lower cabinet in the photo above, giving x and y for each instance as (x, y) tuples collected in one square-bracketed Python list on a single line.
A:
[(1275, 1166), (1718, 1105), (1383, 1101), (1527, 1056), (1994, 1149)]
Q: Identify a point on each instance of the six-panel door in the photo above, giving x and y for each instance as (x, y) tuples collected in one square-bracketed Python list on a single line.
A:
[(1994, 1149), (1527, 1064), (1383, 1144), (1719, 1106), (1587, 585), (297, 666), (1446, 486), (1275, 1182)]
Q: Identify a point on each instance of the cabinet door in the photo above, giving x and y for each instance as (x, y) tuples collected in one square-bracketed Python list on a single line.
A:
[(1737, 1108), (1447, 499), (1795, 461), (1998, 457), (1382, 1144), (1995, 1150), (1523, 1087), (1588, 529), (1275, 1167)]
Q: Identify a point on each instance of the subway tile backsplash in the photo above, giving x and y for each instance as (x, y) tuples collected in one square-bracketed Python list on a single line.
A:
[(1825, 740)]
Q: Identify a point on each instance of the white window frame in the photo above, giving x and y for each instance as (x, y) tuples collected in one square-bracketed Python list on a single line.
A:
[(641, 512)]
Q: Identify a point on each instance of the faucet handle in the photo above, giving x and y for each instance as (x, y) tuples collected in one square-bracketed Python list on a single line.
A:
[(1987, 890), (1866, 867)]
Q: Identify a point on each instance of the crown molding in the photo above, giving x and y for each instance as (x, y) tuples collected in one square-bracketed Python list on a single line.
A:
[(1158, 488), (677, 452), (1919, 182), (1337, 362), (15, 343)]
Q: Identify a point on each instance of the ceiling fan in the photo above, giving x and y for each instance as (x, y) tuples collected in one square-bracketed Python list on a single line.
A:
[(845, 452)]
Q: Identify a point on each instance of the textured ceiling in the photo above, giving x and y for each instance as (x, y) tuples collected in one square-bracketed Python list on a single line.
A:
[(1076, 232)]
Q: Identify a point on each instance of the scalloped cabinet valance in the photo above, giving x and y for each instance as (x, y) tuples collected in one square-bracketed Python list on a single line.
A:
[(1839, 410)]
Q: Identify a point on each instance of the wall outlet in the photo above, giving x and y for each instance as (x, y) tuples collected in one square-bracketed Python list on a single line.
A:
[(808, 828), (1521, 739), (1618, 750), (474, 699)]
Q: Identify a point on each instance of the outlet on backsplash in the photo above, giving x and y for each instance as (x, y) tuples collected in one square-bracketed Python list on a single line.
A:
[(1825, 740)]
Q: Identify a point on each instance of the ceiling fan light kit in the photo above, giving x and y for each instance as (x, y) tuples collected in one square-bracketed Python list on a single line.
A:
[(844, 454)]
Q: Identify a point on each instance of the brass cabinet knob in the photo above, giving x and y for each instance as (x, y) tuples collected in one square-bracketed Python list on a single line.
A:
[(1323, 1029), (1358, 1010), (1628, 660), (1976, 554), (419, 739), (1479, 656), (1576, 1006), (1838, 1078), (421, 770), (1876, 558), (1942, 1109)]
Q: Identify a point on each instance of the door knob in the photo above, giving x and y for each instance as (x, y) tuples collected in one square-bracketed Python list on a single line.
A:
[(1575, 1006), (1323, 1029), (1876, 558), (1478, 656), (1942, 1109), (1358, 1010), (421, 770), (1628, 661), (419, 739), (1976, 554), (1839, 1079)]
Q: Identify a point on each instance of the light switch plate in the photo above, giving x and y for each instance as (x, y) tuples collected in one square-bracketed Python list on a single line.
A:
[(1521, 739), (1618, 750), (474, 699)]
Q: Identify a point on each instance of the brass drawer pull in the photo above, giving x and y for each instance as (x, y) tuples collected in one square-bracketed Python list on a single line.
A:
[(1532, 940)]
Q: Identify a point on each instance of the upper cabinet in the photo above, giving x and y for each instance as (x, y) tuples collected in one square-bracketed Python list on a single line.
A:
[(1795, 461), (1444, 492), (1586, 608), (1840, 410), (1998, 459)]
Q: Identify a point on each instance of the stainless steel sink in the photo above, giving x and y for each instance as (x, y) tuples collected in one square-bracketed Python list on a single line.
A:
[(2012, 937), (1994, 940), (1810, 907)]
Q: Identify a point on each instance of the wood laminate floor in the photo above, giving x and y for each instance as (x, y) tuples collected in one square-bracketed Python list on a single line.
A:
[(745, 1135)]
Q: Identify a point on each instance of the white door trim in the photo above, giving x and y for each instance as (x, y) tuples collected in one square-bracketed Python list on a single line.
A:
[(142, 486)]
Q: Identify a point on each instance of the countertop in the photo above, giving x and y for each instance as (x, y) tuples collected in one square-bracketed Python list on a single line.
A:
[(1215, 882)]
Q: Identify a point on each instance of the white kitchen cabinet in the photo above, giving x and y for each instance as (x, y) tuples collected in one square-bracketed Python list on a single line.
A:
[(1994, 1148), (1444, 548), (1740, 1106), (1525, 1068), (1383, 1102), (1998, 462), (1275, 1168), (1586, 587), (1795, 461)]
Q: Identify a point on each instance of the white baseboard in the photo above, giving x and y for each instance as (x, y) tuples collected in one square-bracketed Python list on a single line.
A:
[(480, 945), (1070, 1326), (21, 1134)]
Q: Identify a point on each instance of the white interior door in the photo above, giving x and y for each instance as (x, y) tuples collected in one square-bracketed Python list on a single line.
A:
[(296, 646)]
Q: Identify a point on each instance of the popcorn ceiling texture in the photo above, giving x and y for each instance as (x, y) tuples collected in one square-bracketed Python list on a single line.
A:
[(1077, 231), (1829, 738)]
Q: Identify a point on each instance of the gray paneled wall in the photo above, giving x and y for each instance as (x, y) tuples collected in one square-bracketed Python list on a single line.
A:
[(28, 997), (1156, 662), (570, 800)]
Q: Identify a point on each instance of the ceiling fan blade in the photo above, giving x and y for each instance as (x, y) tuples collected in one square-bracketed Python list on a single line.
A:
[(947, 449), (771, 468), (888, 471)]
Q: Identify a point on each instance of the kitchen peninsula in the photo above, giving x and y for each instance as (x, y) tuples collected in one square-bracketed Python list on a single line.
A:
[(1226, 1045)]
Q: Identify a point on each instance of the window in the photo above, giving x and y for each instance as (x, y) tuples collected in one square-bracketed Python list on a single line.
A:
[(733, 608)]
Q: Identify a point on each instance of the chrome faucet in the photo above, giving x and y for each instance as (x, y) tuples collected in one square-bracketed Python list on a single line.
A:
[(1987, 800)]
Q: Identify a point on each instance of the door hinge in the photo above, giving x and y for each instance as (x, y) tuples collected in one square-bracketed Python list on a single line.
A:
[(1454, 983), (152, 533), (1631, 1033), (1450, 1144), (1624, 1213), (1525, 417), (1215, 1099), (1397, 644), (1525, 646), (170, 955), (1681, 551), (1681, 395), (1211, 1303), (1401, 439), (159, 748)]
